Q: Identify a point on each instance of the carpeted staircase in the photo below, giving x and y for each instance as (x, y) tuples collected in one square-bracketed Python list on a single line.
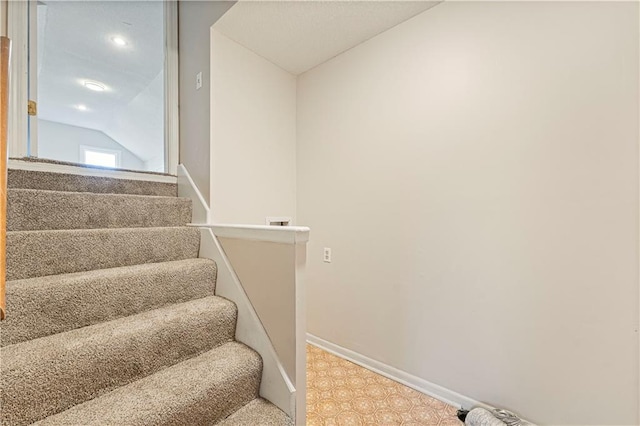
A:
[(111, 316)]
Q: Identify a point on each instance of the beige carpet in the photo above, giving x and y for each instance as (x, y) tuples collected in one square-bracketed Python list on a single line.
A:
[(340, 393), (112, 318)]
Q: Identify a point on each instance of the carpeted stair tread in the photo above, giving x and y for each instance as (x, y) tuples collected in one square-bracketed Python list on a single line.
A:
[(28, 179), (53, 304), (39, 253), (85, 166), (45, 376), (198, 391), (31, 209), (258, 412), (112, 318)]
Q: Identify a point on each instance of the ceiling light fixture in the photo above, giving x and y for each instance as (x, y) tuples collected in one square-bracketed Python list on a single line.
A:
[(94, 85), (119, 41), (81, 107)]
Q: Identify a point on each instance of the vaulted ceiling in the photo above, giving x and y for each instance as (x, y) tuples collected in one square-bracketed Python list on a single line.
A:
[(75, 44)]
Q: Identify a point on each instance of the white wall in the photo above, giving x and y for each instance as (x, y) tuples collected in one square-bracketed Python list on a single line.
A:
[(195, 19), (140, 124), (155, 164), (267, 268), (253, 136), (57, 141), (475, 171)]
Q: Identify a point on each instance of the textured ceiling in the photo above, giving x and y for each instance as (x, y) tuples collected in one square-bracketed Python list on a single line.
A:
[(298, 35), (74, 44)]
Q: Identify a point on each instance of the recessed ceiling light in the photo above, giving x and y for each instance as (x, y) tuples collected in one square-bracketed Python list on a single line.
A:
[(81, 107), (94, 85), (119, 41)]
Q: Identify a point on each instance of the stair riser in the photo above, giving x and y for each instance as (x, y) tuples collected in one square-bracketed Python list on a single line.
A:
[(68, 369), (39, 253), (112, 316), (42, 210), (79, 183), (215, 405), (200, 391), (47, 305)]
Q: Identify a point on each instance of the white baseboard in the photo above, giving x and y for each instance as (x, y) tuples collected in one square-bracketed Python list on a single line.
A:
[(275, 384), (188, 189), (438, 392)]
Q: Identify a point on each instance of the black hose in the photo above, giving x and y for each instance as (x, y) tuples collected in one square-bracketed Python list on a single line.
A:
[(462, 415)]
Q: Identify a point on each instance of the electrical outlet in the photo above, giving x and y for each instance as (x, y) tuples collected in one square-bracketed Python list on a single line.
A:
[(199, 80), (326, 257)]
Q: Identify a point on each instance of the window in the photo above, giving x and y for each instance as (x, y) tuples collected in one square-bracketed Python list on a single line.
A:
[(99, 156)]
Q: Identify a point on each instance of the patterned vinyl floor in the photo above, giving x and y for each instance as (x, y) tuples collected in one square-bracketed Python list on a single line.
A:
[(340, 393)]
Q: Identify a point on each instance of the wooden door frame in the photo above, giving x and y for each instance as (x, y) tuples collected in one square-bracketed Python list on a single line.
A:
[(171, 84)]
